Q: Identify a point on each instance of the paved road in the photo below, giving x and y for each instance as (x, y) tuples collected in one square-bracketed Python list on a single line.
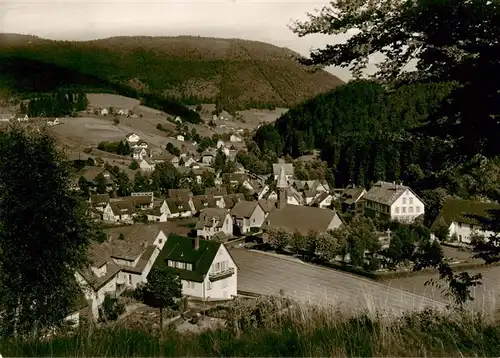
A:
[(267, 274)]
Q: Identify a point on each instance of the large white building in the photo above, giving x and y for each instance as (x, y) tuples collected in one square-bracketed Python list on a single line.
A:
[(206, 268), (391, 201), (454, 216)]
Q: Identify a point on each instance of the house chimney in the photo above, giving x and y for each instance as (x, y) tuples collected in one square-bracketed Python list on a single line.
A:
[(196, 243)]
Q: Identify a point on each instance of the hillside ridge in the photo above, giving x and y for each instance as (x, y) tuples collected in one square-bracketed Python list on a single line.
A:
[(235, 73)]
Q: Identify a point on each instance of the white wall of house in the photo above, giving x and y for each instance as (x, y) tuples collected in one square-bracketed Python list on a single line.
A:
[(108, 215), (193, 289), (226, 288), (146, 167), (74, 318), (130, 279), (407, 207), (326, 203), (256, 219), (263, 192), (292, 200), (209, 231), (335, 223), (186, 214), (465, 231), (155, 218), (273, 196)]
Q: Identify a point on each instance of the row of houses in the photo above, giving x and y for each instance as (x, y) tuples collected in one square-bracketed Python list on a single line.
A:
[(124, 260)]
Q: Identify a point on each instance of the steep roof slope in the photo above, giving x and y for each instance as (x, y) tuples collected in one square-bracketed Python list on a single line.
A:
[(239, 73)]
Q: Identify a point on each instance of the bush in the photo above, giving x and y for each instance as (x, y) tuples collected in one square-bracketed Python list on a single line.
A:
[(116, 121), (111, 309), (134, 165)]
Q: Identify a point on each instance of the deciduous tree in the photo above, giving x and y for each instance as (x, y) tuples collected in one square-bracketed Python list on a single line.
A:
[(45, 233)]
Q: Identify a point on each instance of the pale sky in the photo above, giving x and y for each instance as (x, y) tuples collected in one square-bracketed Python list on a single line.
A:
[(83, 20)]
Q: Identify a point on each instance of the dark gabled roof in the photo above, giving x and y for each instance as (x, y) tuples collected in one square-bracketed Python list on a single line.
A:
[(293, 218), (122, 207), (457, 209), (351, 195), (203, 201), (207, 216), (385, 193), (178, 248), (138, 200), (231, 199), (177, 205), (216, 191), (267, 205), (243, 209), (99, 199), (184, 194)]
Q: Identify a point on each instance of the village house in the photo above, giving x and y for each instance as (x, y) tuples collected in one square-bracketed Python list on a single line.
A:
[(235, 179), (180, 138), (123, 261), (165, 157), (132, 138), (206, 268), (391, 201), (323, 200), (140, 144), (183, 193), (267, 205), (289, 171), (256, 187), (296, 218), (99, 201), (147, 165), (6, 117), (123, 112), (141, 200), (201, 202), (455, 217), (208, 157), (104, 112), (248, 216), (139, 154), (188, 161), (119, 211), (235, 138), (155, 215), (216, 192), (229, 201), (351, 200), (212, 221), (308, 196), (320, 186), (90, 174), (176, 208)]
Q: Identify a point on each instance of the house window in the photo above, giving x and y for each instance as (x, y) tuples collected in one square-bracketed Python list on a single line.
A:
[(410, 209), (160, 241), (130, 279), (189, 267), (397, 210), (417, 208), (460, 238), (404, 201), (180, 265), (209, 285), (253, 220), (403, 209), (171, 263), (410, 201)]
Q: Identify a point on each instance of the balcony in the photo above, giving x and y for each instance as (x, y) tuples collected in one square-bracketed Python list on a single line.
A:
[(215, 276)]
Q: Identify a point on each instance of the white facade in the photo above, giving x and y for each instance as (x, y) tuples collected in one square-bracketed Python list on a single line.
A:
[(407, 207), (146, 167), (211, 288), (140, 154), (104, 112), (226, 228), (256, 219), (464, 231), (326, 202), (180, 137), (235, 138), (133, 138), (158, 218)]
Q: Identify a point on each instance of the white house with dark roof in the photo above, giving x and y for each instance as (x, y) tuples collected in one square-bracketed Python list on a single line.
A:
[(455, 216), (176, 208), (139, 154), (391, 201), (248, 215), (205, 267), (122, 261), (147, 165), (132, 138), (213, 221)]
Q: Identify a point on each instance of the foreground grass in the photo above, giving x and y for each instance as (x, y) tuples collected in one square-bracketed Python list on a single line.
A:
[(296, 332)]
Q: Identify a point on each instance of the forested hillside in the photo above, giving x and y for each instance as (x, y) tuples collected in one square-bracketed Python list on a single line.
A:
[(363, 131), (234, 73)]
